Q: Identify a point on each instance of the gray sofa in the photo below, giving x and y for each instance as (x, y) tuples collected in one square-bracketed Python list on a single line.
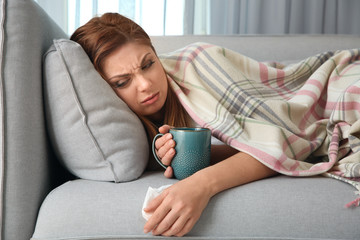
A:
[(40, 200)]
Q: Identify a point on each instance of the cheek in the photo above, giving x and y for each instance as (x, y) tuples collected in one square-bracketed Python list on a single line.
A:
[(126, 96), (162, 77)]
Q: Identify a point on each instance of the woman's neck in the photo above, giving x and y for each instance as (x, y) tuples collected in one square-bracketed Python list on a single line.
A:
[(158, 118)]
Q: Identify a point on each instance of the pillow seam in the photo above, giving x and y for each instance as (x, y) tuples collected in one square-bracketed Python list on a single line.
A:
[(82, 112)]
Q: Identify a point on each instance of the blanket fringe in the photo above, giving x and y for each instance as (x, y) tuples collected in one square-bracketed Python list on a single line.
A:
[(356, 202)]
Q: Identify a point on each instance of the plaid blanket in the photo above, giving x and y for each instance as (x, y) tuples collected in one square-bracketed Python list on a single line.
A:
[(300, 119)]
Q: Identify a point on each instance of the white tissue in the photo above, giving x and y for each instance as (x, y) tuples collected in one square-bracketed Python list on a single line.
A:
[(150, 195)]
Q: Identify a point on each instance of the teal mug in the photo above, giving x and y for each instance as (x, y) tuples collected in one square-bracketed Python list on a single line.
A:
[(193, 147)]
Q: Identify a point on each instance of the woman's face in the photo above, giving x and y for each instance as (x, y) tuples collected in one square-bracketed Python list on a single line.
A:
[(138, 78)]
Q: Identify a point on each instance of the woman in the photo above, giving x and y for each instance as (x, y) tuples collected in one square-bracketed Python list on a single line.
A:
[(123, 54)]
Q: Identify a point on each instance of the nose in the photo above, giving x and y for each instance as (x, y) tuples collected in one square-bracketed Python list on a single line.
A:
[(143, 83)]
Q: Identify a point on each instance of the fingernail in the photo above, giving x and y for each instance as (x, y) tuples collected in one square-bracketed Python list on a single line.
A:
[(168, 136)]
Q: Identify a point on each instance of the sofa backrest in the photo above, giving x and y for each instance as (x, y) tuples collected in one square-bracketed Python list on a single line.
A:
[(26, 33), (264, 47)]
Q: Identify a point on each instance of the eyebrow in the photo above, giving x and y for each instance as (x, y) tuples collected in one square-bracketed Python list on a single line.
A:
[(128, 74)]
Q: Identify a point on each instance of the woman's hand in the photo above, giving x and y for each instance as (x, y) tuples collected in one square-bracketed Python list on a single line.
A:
[(165, 149), (178, 208)]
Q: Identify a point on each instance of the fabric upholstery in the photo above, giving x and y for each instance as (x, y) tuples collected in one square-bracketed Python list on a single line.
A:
[(27, 32), (273, 208), (95, 135), (264, 47)]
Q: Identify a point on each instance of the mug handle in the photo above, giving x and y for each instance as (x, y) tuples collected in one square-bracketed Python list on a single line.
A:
[(154, 152)]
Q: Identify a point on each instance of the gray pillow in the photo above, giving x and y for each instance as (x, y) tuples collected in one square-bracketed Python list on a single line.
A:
[(94, 134)]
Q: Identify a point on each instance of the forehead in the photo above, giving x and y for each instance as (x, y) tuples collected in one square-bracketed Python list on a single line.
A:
[(126, 58)]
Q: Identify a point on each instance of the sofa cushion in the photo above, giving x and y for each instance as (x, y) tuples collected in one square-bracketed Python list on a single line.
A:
[(93, 132), (276, 208)]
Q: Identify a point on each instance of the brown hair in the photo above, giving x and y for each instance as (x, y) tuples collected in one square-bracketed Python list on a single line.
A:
[(102, 35)]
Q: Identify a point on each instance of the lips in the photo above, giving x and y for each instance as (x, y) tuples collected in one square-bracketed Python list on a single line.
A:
[(151, 99)]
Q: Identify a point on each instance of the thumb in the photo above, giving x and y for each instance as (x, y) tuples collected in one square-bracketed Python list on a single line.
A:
[(169, 172), (164, 129)]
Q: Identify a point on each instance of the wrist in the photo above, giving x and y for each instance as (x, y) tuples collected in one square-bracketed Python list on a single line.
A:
[(205, 181)]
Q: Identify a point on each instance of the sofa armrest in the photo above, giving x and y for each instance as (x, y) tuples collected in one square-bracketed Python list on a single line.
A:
[(27, 33)]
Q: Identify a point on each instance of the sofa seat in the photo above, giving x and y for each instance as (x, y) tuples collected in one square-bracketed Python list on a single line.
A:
[(276, 208)]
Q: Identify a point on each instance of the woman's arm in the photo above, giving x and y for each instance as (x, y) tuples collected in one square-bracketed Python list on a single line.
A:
[(219, 152), (234, 171), (178, 208)]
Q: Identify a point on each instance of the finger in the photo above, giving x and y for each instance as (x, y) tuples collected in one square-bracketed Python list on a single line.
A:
[(164, 129), (157, 217), (155, 203), (169, 155), (186, 229), (167, 151), (161, 141), (165, 223), (155, 220), (176, 228), (169, 172)]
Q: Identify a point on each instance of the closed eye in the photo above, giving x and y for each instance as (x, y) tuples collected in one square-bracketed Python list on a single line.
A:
[(148, 65), (121, 83)]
